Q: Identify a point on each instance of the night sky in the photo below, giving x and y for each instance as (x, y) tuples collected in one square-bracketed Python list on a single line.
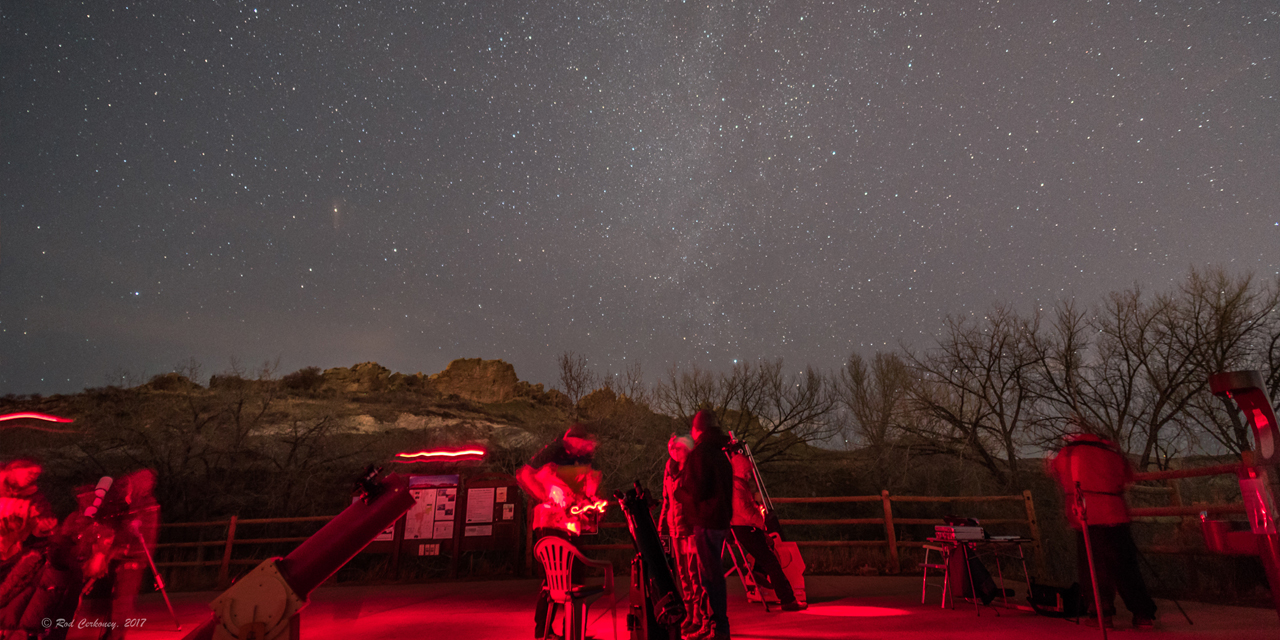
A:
[(671, 182)]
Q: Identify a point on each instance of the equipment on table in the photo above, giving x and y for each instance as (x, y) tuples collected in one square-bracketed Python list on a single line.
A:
[(948, 532)]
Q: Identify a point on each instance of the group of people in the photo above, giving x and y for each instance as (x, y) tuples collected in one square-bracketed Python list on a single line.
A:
[(82, 572), (709, 494)]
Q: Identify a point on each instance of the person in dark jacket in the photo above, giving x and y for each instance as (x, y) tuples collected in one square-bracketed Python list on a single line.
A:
[(706, 494), (1101, 472)]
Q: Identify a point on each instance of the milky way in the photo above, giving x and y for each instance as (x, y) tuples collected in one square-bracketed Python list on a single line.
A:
[(665, 182)]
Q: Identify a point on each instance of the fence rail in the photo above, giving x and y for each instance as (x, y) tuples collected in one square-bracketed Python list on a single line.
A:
[(888, 521), (890, 542), (1181, 511), (234, 536), (225, 563)]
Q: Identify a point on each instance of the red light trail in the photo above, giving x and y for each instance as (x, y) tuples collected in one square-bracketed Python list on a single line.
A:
[(428, 456), (35, 416)]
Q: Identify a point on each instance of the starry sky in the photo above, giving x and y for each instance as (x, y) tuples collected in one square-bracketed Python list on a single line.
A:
[(660, 181)]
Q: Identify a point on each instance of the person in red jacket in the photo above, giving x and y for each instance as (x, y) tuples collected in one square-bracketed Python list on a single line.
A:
[(1101, 471), (748, 527), (706, 495)]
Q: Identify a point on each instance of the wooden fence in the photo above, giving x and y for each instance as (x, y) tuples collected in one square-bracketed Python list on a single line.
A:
[(890, 541), (888, 521), (1180, 511), (234, 537), (225, 562)]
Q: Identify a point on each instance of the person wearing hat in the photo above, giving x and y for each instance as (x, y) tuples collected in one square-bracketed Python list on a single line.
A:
[(557, 477), (706, 495), (673, 523), (1100, 471)]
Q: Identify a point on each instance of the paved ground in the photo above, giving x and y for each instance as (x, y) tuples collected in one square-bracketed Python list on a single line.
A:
[(840, 607)]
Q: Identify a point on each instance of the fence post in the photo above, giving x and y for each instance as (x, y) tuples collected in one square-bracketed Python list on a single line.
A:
[(895, 565), (224, 572), (1034, 525), (528, 540)]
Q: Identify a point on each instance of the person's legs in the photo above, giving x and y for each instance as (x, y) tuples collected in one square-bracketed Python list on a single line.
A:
[(695, 598), (710, 544), (124, 596), (753, 541), (1106, 588), (1128, 576)]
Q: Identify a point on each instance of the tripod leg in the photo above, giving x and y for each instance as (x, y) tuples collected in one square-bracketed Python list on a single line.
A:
[(159, 581), (1088, 553), (1157, 577)]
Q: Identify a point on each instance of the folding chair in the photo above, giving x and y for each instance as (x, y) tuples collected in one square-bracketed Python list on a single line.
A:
[(946, 573), (557, 557)]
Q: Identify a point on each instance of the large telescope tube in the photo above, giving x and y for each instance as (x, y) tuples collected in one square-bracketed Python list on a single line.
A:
[(334, 545), (264, 603)]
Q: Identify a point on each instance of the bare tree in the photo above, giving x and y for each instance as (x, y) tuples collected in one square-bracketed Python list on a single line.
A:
[(876, 397), (976, 393), (1137, 370), (1230, 324), (576, 378), (877, 404), (1061, 353), (631, 384), (794, 409), (684, 392), (771, 410)]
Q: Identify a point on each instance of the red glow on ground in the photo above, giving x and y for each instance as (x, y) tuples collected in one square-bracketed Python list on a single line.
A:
[(35, 416), (425, 456), (838, 610)]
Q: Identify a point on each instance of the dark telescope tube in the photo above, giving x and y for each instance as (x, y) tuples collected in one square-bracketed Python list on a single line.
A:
[(321, 555), (664, 594)]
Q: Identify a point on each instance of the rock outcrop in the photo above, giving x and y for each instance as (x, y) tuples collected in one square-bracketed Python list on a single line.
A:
[(486, 381), (368, 377)]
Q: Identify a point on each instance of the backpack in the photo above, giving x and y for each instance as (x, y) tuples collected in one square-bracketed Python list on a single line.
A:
[(1056, 602)]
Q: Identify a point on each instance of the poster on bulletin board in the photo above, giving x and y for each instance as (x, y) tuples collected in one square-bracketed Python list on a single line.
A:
[(480, 506), (446, 504), (419, 522)]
